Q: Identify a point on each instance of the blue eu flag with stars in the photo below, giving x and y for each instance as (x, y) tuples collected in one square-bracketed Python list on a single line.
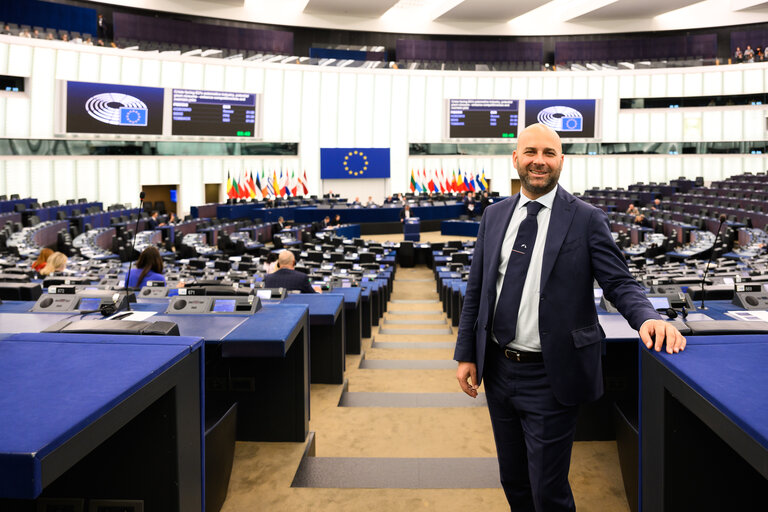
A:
[(354, 163), (133, 116)]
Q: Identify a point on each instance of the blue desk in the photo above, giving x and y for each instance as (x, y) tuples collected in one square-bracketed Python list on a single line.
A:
[(64, 398), (10, 204), (704, 426), (353, 317), (326, 338), (459, 227)]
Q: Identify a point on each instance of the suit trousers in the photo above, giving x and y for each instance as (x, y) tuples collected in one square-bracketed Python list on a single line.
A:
[(533, 433)]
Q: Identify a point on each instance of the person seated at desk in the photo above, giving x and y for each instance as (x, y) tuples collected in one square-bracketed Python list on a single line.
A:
[(356, 202), (471, 207), (56, 263), (42, 258), (656, 205), (153, 222), (286, 277), (370, 203), (270, 266), (389, 200), (326, 222), (149, 267), (279, 226), (633, 210), (336, 220), (405, 213), (641, 221), (172, 219)]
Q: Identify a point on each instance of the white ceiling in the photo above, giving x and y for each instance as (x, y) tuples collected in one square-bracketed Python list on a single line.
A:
[(475, 17)]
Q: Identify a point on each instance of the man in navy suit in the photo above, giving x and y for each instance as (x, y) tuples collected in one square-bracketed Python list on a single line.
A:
[(529, 324), (286, 277)]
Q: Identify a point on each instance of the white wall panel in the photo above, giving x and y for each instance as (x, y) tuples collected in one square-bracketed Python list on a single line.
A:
[(468, 87), (733, 82), (564, 87), (192, 76), (626, 169), (549, 86), (4, 58), (86, 171), (17, 117), (292, 106), (254, 79), (17, 177), (576, 167), (434, 117), (364, 101), (417, 95), (41, 94), (657, 171), (273, 105), (89, 64), (609, 169), (213, 78), (580, 87), (382, 93), (732, 165), (19, 60), (502, 88), (753, 81), (674, 125), (519, 89), (627, 86), (642, 86), (535, 88), (156, 74), (674, 167), (658, 126), (398, 152), (733, 125), (674, 84), (130, 71), (2, 116), (754, 163), (109, 71), (328, 130), (169, 170), (641, 129), (484, 87), (234, 79), (754, 124), (149, 171), (171, 74), (192, 188), (659, 85), (712, 168), (692, 167), (108, 178), (713, 83), (41, 175), (610, 108), (641, 168), (64, 179), (693, 84), (692, 129), (712, 125), (596, 86), (128, 172), (625, 126), (66, 65)]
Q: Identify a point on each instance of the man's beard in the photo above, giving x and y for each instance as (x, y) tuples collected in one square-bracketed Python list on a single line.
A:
[(552, 178)]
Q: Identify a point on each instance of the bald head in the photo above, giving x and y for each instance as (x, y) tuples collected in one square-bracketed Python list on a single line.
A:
[(538, 160), (286, 259), (540, 130)]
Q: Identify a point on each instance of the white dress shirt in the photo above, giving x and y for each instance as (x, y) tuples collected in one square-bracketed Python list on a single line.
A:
[(527, 329)]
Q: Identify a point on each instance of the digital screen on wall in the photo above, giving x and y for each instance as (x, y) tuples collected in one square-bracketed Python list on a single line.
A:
[(572, 119), (223, 114), (482, 119), (107, 108)]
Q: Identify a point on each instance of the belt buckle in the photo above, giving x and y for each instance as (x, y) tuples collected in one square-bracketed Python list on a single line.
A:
[(512, 354)]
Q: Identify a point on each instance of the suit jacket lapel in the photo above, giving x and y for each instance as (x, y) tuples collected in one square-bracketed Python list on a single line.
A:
[(495, 239), (559, 222)]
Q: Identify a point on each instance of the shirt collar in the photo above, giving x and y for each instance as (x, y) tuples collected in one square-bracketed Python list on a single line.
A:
[(546, 200)]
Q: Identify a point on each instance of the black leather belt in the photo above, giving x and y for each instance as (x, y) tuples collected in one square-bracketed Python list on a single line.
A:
[(523, 357)]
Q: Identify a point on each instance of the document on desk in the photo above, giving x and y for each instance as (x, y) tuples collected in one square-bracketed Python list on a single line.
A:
[(135, 316), (749, 316)]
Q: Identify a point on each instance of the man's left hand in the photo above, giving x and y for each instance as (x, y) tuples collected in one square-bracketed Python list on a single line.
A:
[(655, 332)]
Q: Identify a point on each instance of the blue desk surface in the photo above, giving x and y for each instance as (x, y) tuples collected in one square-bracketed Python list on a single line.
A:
[(351, 295), (730, 375), (324, 308), (45, 399), (268, 333)]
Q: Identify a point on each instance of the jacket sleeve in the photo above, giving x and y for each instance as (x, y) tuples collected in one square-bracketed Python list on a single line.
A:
[(612, 274), (466, 340)]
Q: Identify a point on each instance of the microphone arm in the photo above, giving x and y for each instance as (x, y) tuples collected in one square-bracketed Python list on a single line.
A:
[(142, 195), (711, 253)]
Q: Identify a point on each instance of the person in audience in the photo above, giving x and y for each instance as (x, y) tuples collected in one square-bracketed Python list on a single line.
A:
[(172, 219), (486, 201), (336, 220), (632, 209), (405, 213), (641, 221), (758, 54), (153, 222), (356, 202), (36, 34), (656, 204), (49, 37), (7, 30), (286, 277), (749, 54), (389, 200), (738, 55), (271, 264), (56, 263), (65, 37), (149, 267), (471, 207), (25, 33), (279, 225), (39, 263), (326, 222), (370, 203)]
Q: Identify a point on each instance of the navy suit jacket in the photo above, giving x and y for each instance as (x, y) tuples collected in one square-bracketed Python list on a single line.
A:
[(289, 279), (579, 248)]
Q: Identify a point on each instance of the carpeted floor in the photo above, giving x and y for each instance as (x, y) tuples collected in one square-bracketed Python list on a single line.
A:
[(365, 440)]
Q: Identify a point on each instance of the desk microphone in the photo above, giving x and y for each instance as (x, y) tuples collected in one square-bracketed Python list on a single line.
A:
[(711, 253), (142, 195)]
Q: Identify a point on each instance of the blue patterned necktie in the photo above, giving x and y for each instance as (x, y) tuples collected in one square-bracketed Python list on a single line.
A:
[(505, 317)]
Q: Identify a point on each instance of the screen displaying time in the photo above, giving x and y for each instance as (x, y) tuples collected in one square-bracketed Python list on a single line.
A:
[(224, 114), (482, 119)]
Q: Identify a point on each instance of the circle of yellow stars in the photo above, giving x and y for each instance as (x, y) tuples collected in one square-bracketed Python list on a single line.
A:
[(357, 172)]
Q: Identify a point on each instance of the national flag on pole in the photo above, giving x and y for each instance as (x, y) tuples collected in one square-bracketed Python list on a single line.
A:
[(441, 182), (294, 184), (244, 192), (275, 184), (271, 185), (459, 183), (264, 185), (468, 186), (304, 183), (414, 186), (258, 184), (482, 181), (229, 189), (431, 184)]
